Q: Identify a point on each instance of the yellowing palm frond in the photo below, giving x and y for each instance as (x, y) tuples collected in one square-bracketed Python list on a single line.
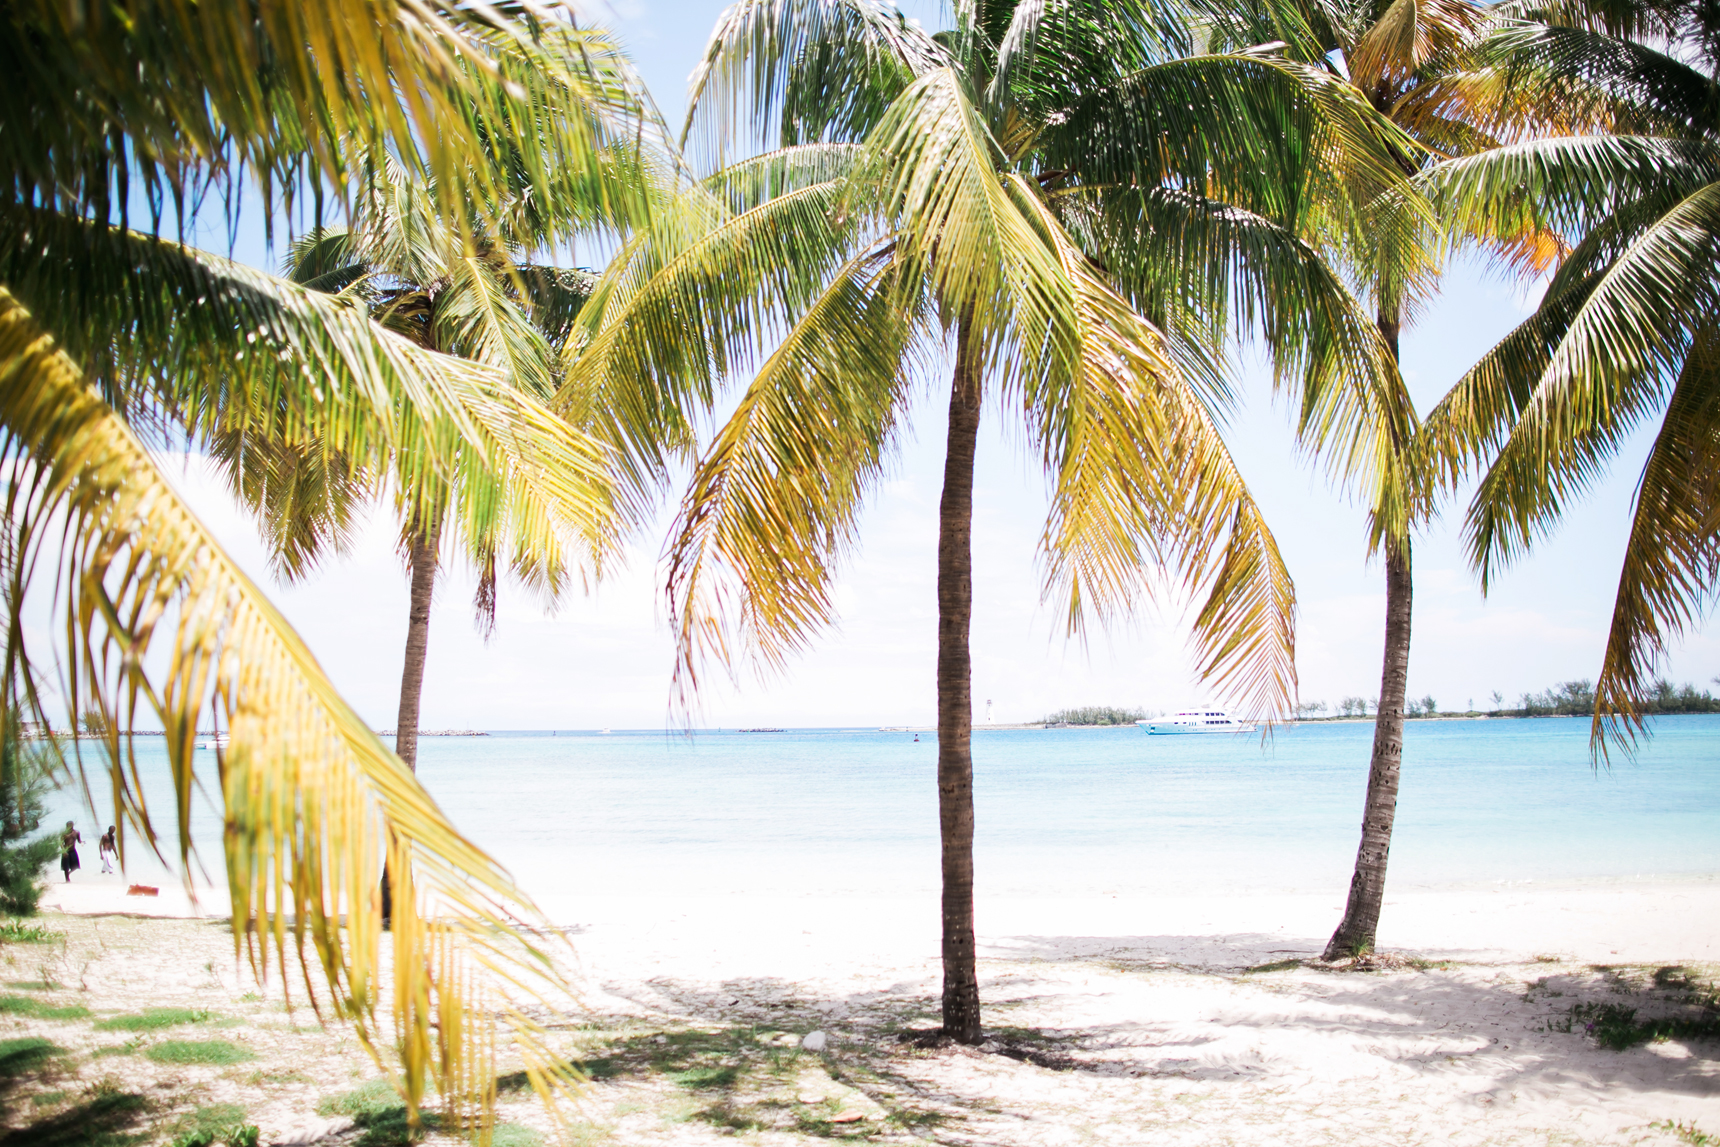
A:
[(1142, 481), (773, 504), (314, 803)]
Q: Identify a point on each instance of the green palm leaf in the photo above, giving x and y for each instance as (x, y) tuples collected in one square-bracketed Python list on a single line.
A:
[(1672, 558)]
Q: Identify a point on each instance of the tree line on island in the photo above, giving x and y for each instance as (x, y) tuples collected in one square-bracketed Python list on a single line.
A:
[(1074, 213), (1566, 699)]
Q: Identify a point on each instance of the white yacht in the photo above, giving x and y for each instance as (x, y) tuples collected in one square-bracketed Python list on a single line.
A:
[(1195, 721), (218, 741)]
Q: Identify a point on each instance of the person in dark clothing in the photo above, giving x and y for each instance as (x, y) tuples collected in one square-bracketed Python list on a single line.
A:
[(69, 841)]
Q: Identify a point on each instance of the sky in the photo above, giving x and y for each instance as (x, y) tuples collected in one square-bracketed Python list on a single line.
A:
[(604, 660)]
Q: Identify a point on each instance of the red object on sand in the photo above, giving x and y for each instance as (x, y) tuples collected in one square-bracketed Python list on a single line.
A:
[(142, 890)]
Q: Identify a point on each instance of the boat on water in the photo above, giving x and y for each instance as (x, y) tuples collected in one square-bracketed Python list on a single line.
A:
[(218, 741), (1201, 720)]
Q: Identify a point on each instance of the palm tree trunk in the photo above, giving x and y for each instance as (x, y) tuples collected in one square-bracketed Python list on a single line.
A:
[(955, 704), (423, 560), (1355, 934)]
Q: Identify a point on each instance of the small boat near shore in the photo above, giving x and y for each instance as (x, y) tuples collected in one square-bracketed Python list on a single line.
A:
[(1203, 720), (217, 741)]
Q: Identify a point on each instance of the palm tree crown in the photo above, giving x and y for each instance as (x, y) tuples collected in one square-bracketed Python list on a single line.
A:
[(110, 336), (1625, 330), (1079, 208)]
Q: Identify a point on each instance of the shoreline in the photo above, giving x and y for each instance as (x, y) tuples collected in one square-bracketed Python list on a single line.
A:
[(1186, 1021), (1670, 918)]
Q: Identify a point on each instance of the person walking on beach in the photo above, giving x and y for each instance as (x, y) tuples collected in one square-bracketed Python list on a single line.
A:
[(108, 849), (69, 841)]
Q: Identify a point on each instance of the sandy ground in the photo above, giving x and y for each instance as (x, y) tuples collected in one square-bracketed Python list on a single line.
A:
[(1112, 1020)]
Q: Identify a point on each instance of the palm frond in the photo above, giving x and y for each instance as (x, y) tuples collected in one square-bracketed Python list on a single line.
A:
[(314, 803), (187, 100), (1639, 89), (931, 173), (1672, 557), (1623, 347), (1408, 36), (306, 497), (1141, 480), (693, 299), (813, 70), (773, 504), (1565, 185), (1050, 51), (1268, 135)]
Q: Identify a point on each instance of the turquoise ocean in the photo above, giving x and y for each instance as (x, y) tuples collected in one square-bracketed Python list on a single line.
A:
[(1059, 811)]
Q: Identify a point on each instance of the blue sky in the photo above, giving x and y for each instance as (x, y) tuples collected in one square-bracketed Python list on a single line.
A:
[(604, 660)]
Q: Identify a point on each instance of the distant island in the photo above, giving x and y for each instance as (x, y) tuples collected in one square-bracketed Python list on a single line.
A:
[(1566, 699), (1093, 716), (438, 733)]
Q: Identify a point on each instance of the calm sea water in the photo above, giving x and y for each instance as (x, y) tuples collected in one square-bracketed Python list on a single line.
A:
[(1061, 811)]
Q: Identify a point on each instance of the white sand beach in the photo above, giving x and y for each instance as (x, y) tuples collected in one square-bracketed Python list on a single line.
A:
[(1115, 1019)]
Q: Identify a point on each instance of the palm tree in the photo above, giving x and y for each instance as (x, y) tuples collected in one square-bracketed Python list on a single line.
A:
[(1079, 208), (1412, 61), (1625, 330), (423, 280), (110, 337)]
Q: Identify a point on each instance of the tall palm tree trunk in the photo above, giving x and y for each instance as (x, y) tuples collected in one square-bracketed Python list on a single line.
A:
[(423, 560), (955, 691), (1355, 934), (422, 557)]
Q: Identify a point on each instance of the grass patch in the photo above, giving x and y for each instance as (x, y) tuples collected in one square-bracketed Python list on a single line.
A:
[(33, 986), (41, 1009), (376, 1108), (1688, 1133), (129, 1047), (209, 1052), (1274, 966), (48, 1098), (701, 1078), (219, 1123), (513, 1135), (1616, 1027), (18, 932), (154, 1019), (20, 1055)]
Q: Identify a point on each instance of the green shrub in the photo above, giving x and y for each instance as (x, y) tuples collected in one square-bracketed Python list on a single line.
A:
[(210, 1052), (18, 932), (24, 777)]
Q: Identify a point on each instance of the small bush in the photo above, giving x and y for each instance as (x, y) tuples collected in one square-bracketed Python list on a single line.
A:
[(41, 1009), (211, 1052), (18, 932), (153, 1019), (24, 781)]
